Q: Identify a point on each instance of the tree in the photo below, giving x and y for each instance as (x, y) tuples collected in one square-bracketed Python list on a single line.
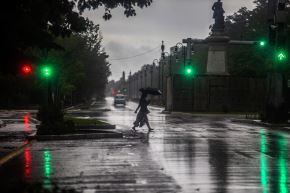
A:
[(36, 23), (249, 25), (43, 29), (80, 72), (80, 67), (128, 5), (253, 25)]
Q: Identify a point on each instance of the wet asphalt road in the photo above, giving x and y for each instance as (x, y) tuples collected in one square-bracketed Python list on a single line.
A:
[(185, 153), (18, 124)]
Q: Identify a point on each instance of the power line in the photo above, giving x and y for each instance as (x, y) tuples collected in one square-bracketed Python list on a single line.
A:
[(126, 58)]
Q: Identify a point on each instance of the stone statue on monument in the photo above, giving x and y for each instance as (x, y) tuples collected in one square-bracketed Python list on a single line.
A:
[(218, 15), (217, 43)]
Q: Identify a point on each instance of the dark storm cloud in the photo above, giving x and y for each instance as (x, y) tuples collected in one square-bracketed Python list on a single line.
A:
[(168, 20)]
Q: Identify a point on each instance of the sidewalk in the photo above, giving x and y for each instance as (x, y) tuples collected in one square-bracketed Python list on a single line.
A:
[(237, 118), (263, 124)]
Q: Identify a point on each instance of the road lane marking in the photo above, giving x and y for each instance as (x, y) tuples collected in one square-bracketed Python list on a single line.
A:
[(14, 153)]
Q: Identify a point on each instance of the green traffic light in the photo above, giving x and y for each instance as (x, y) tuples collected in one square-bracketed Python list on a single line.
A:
[(189, 71), (281, 56), (46, 71), (262, 43)]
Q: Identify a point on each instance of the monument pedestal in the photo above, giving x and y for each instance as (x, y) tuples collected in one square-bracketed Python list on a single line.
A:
[(217, 54)]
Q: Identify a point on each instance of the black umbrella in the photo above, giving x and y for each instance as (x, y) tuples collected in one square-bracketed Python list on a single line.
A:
[(152, 91)]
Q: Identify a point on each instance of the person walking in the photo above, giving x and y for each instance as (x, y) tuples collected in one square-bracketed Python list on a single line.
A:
[(142, 117)]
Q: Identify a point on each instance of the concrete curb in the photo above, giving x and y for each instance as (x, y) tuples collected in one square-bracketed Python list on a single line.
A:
[(108, 126), (71, 107), (166, 112), (192, 114), (103, 135), (258, 123)]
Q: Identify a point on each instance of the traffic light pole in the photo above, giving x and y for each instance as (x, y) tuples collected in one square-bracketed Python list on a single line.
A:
[(276, 110)]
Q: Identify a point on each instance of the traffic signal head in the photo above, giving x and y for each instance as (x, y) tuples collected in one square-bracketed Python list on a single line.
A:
[(281, 56), (26, 69), (189, 71), (262, 43), (46, 71)]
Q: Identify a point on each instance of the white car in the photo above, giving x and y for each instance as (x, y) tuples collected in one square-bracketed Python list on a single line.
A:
[(120, 99)]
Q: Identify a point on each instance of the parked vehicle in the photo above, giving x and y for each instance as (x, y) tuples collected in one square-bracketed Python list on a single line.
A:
[(120, 99)]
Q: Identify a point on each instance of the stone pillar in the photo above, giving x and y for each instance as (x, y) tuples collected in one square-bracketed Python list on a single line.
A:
[(217, 55)]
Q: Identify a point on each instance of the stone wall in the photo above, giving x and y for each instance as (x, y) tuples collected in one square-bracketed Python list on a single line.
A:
[(219, 94)]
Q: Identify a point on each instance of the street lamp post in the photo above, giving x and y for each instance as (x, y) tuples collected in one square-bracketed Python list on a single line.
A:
[(47, 72), (183, 51), (169, 81), (169, 65), (154, 64)]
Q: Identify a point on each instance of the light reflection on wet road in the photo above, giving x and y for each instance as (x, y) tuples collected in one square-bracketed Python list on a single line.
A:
[(27, 163), (212, 154), (185, 153)]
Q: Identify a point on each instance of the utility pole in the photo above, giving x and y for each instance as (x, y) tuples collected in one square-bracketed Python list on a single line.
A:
[(276, 110), (161, 65)]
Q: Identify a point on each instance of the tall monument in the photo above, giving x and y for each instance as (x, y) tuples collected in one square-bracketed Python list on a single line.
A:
[(217, 41)]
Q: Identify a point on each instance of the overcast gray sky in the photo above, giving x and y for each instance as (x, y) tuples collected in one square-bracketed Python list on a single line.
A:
[(168, 20)]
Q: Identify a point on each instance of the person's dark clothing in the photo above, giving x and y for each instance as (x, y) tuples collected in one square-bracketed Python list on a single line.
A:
[(142, 118), (144, 105)]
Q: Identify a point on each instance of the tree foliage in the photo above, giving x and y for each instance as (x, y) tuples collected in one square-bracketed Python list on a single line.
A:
[(35, 29), (249, 25), (81, 68), (128, 5), (37, 22)]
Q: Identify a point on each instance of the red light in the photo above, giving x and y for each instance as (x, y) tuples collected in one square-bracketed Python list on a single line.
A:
[(26, 123), (27, 162), (26, 69)]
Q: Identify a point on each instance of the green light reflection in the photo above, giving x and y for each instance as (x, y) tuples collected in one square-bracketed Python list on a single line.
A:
[(263, 162), (47, 168), (282, 165), (280, 162)]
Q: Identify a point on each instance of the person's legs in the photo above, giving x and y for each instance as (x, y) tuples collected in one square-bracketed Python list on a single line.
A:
[(147, 123), (135, 124), (137, 121)]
